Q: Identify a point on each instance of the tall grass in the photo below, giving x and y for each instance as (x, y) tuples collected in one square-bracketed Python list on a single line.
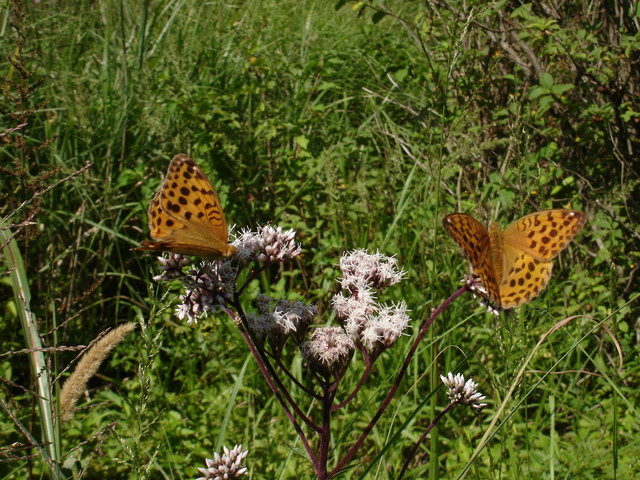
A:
[(358, 131)]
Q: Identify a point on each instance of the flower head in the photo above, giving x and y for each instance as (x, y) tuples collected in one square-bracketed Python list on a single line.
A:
[(208, 288), (375, 270), (463, 392), (371, 325), (260, 326), (328, 351), (385, 327), (278, 246), (268, 244), (292, 318), (280, 320), (357, 305), (249, 245), (171, 267), (227, 467)]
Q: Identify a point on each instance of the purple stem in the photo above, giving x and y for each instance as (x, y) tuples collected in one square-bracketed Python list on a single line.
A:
[(424, 435), (306, 390), (325, 435), (253, 275), (270, 374), (368, 362), (353, 450)]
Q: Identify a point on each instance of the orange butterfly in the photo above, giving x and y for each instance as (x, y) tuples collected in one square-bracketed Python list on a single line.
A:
[(515, 265), (185, 216)]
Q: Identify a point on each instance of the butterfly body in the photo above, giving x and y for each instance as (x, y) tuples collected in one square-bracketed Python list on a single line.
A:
[(515, 264), (185, 215)]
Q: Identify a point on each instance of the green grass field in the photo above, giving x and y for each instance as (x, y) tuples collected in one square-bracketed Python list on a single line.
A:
[(359, 126)]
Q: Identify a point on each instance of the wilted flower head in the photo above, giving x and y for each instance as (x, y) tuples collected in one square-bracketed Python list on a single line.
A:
[(227, 467), (208, 288), (260, 326), (264, 303), (461, 392), (172, 267), (328, 351), (280, 320), (376, 270), (292, 318)]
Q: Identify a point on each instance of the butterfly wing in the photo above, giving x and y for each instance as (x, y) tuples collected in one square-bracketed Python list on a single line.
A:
[(523, 277), (473, 240), (185, 216), (529, 244), (543, 235)]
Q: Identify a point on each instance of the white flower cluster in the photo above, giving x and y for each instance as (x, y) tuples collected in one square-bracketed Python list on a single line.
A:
[(328, 351), (278, 245), (463, 392), (268, 244), (225, 467), (372, 269), (374, 326)]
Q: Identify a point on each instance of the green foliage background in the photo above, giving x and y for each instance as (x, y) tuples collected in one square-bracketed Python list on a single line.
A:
[(359, 126)]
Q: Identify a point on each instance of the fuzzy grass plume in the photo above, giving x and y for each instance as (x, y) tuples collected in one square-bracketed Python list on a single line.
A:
[(76, 384)]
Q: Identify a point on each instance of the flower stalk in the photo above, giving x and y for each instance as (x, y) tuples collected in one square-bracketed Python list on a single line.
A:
[(365, 327)]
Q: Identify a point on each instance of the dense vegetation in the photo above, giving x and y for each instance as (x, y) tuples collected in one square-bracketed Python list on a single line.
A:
[(359, 126)]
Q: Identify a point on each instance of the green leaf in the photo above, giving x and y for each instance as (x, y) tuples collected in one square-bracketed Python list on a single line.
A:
[(400, 75), (302, 141), (378, 16), (536, 92), (546, 80), (563, 87)]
